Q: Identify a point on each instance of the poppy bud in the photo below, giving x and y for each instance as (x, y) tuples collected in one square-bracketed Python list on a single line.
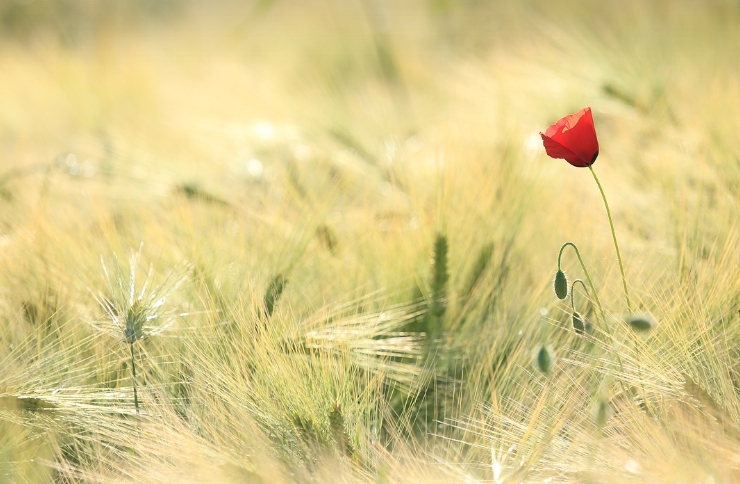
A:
[(578, 323), (641, 323), (561, 285), (544, 359)]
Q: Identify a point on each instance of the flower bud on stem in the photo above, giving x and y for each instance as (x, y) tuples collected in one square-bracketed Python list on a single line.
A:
[(579, 322), (588, 278), (560, 284), (596, 296)]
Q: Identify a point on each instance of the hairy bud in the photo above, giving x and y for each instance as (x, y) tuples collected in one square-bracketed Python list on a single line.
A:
[(561, 285)]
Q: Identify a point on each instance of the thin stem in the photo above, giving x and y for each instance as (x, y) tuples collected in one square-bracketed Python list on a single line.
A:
[(133, 370), (588, 278), (614, 237), (596, 298), (624, 279), (572, 290)]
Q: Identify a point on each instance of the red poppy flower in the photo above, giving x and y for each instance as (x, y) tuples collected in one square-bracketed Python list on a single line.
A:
[(573, 138)]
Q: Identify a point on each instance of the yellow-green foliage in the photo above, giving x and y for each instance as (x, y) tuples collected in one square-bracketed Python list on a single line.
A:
[(347, 229)]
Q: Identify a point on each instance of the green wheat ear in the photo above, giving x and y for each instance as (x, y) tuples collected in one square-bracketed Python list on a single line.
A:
[(484, 258), (440, 276), (338, 430), (560, 285), (272, 294), (136, 316)]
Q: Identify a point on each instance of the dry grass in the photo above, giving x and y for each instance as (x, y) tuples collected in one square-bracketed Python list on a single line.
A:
[(348, 233)]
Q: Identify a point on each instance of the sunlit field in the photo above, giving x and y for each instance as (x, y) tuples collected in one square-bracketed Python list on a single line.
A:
[(316, 242)]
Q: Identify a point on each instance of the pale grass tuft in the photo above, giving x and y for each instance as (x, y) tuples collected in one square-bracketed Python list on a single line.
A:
[(136, 310)]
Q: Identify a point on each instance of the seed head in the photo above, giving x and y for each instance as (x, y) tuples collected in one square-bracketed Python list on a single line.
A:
[(136, 315), (136, 310)]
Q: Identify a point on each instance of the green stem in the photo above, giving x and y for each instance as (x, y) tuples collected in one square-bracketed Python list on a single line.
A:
[(596, 298), (572, 290), (588, 278), (614, 237), (133, 371), (624, 279)]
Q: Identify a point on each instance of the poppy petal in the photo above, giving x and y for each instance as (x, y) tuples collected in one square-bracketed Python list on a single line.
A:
[(573, 138), (555, 149)]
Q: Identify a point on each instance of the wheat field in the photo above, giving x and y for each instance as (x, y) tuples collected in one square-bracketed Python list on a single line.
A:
[(315, 241)]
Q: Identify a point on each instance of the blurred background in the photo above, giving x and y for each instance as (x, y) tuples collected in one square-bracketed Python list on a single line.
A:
[(135, 100), (345, 169)]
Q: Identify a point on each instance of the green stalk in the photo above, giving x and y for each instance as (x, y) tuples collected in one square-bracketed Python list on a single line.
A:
[(133, 370), (614, 237), (624, 281), (596, 297), (572, 290)]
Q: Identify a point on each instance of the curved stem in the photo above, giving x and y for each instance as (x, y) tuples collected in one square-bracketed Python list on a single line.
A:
[(572, 289), (562, 248), (614, 237), (588, 278)]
